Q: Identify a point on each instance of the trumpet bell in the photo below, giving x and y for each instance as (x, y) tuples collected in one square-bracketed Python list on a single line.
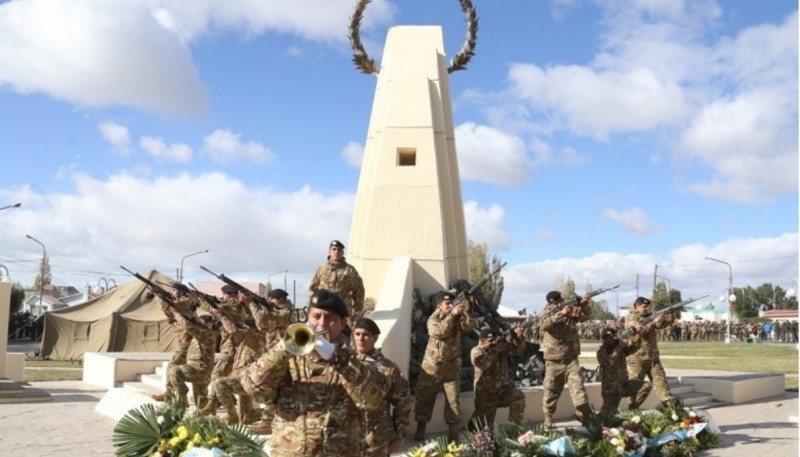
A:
[(300, 339)]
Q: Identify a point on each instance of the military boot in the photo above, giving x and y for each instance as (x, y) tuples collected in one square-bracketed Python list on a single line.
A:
[(419, 435), (548, 420), (452, 432), (232, 418), (210, 408), (160, 397), (584, 413), (261, 427)]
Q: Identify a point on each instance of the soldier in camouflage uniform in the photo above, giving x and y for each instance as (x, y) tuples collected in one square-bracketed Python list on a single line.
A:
[(272, 322), (249, 347), (186, 307), (611, 356), (492, 386), (318, 399), (199, 362), (385, 427), (644, 360), (231, 316), (441, 365), (341, 278), (561, 350)]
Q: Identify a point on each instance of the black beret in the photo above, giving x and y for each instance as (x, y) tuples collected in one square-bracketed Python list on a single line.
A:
[(445, 296), (487, 332), (336, 243), (329, 301), (642, 300), (368, 325), (229, 289), (609, 331), (553, 296), (277, 293)]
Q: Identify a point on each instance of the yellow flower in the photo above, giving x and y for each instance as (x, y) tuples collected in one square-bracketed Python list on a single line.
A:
[(175, 441), (449, 454), (197, 438), (214, 441), (183, 432)]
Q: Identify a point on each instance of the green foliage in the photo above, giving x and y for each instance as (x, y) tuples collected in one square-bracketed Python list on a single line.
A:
[(17, 297), (44, 277), (480, 264), (750, 300)]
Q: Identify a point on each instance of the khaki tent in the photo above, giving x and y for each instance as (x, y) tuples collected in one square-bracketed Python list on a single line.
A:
[(125, 319)]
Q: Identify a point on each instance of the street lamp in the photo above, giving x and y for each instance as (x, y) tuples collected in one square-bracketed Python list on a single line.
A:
[(730, 298), (5, 277), (99, 290), (41, 272), (269, 284), (15, 205), (180, 272)]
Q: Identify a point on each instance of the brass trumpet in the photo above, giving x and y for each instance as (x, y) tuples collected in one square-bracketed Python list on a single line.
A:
[(301, 339)]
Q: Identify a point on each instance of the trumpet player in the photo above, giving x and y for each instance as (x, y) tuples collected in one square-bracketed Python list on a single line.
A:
[(318, 385)]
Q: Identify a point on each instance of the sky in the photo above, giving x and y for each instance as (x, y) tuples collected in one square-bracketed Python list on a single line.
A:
[(603, 141)]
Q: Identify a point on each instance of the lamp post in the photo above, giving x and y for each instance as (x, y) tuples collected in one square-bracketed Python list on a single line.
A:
[(5, 277), (180, 272), (269, 284), (41, 272), (730, 297), (99, 290), (15, 205)]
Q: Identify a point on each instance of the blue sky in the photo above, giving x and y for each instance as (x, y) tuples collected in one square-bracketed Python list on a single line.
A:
[(596, 139)]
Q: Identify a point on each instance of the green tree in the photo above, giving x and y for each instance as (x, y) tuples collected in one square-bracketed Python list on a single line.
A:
[(599, 308), (751, 300), (480, 263), (660, 298), (43, 278), (17, 297)]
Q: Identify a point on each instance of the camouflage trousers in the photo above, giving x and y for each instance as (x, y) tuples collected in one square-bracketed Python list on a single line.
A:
[(425, 392), (181, 374), (652, 369), (556, 374), (226, 389), (614, 391), (222, 368), (487, 403), (184, 339), (265, 397)]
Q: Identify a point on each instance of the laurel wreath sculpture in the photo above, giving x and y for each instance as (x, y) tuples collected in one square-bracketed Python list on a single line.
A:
[(365, 64)]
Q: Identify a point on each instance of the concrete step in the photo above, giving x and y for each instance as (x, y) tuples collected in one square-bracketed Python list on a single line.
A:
[(15, 392), (694, 399), (141, 388), (155, 380), (681, 388)]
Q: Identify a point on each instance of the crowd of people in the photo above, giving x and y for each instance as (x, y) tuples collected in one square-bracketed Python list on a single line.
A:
[(325, 389)]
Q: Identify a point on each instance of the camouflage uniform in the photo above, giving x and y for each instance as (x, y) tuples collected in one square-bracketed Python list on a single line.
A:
[(179, 325), (318, 402), (492, 387), (227, 347), (644, 361), (198, 366), (390, 420), (615, 382), (441, 366), (250, 347), (561, 350), (342, 279)]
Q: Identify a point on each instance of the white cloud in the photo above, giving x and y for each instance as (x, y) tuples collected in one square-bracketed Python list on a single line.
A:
[(633, 220), (489, 155), (117, 135), (174, 152), (487, 225), (353, 154), (226, 147)]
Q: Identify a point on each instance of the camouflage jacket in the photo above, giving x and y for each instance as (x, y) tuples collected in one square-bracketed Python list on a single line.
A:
[(186, 305), (443, 353), (646, 342), (272, 321), (491, 365), (250, 346), (391, 419), (318, 404), (234, 309), (612, 360), (343, 279), (202, 348), (560, 340)]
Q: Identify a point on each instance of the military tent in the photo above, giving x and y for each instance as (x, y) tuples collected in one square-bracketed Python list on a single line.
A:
[(125, 319)]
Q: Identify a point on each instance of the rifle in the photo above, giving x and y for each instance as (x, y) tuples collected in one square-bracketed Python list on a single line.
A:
[(628, 332), (527, 323), (215, 303), (575, 300), (257, 299), (166, 297), (471, 291)]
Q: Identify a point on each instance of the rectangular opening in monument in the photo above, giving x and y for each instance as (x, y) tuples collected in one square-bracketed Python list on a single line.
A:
[(406, 157)]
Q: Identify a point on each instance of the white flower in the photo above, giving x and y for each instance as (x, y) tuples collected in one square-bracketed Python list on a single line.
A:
[(620, 450), (160, 420), (636, 419), (614, 441), (614, 432), (692, 414), (674, 416)]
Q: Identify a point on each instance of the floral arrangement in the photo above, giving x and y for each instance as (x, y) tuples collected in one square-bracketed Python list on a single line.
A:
[(670, 431), (168, 430)]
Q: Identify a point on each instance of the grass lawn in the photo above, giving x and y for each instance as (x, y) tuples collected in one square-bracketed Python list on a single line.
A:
[(53, 370), (746, 357)]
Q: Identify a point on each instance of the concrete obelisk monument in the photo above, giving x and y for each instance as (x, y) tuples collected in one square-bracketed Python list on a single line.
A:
[(408, 225)]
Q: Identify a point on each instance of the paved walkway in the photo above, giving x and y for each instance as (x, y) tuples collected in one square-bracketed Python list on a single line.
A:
[(68, 425)]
